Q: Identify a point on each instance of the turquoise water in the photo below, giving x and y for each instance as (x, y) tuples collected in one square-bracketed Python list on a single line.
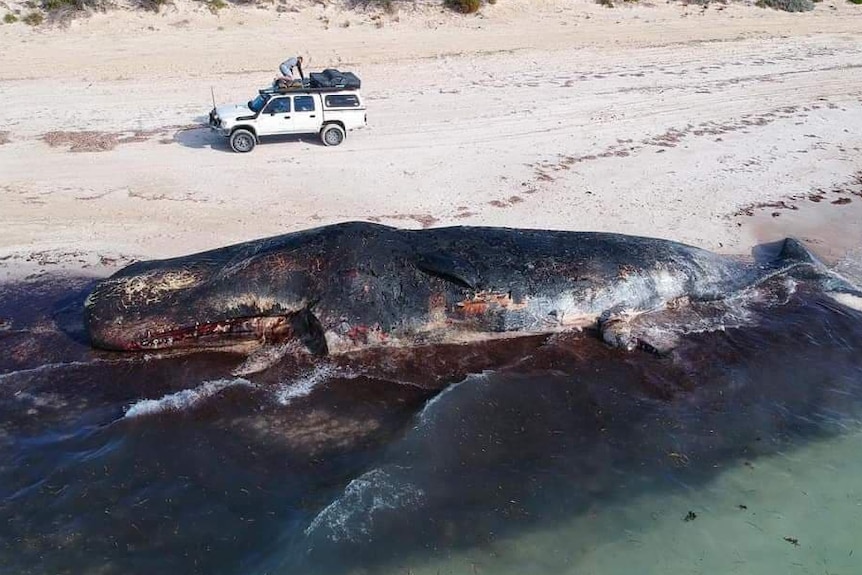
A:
[(736, 453), (746, 520)]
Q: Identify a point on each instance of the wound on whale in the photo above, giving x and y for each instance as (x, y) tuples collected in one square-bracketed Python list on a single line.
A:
[(355, 285)]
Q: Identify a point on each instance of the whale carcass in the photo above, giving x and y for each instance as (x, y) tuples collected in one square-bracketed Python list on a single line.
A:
[(353, 285)]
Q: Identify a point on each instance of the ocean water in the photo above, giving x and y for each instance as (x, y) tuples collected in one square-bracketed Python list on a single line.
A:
[(736, 452)]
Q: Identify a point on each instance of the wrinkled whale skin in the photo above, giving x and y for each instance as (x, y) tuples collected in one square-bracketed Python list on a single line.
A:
[(347, 286)]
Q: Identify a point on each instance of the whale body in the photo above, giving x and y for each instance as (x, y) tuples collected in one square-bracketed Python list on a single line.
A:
[(348, 286)]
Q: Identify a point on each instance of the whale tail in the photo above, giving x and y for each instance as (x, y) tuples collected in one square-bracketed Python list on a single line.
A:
[(788, 256), (793, 252), (796, 259)]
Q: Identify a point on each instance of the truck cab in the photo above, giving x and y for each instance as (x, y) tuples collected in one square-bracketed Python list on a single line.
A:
[(329, 112)]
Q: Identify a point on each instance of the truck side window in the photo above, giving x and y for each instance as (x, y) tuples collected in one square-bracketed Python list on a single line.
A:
[(278, 106), (303, 103), (342, 101)]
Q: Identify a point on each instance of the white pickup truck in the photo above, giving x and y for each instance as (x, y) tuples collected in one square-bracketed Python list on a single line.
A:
[(329, 112)]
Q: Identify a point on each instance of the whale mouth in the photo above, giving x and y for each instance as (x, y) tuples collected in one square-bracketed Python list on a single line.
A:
[(223, 333), (302, 326)]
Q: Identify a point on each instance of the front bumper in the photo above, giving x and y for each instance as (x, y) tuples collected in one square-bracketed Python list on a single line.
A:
[(215, 125)]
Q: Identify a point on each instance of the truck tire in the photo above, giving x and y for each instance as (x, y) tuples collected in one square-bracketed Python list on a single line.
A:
[(242, 141), (332, 135)]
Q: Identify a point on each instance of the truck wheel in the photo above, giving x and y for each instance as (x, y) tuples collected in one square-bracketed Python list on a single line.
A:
[(332, 135), (242, 141)]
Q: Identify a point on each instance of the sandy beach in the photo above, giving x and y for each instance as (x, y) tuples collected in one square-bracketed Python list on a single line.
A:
[(705, 125)]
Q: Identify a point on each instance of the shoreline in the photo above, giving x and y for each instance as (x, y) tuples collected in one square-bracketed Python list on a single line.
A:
[(827, 227)]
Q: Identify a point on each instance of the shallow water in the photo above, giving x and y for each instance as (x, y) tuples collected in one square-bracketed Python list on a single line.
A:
[(735, 453)]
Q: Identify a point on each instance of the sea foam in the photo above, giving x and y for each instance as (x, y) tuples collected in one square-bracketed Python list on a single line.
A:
[(353, 514), (302, 386), (183, 399)]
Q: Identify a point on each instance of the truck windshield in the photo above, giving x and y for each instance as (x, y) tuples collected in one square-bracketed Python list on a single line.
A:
[(258, 103)]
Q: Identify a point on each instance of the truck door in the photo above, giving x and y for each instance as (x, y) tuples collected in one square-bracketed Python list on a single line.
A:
[(306, 117), (275, 118)]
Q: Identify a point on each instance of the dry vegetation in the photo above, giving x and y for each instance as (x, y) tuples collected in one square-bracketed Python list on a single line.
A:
[(91, 141), (83, 141), (787, 5), (53, 11), (41, 11), (464, 6)]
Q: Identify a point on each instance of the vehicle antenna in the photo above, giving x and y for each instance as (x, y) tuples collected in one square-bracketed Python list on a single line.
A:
[(212, 93)]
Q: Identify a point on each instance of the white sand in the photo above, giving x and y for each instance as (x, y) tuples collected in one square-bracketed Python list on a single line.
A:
[(661, 120)]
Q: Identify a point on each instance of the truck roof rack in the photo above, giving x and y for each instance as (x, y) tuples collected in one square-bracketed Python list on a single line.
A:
[(305, 89)]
